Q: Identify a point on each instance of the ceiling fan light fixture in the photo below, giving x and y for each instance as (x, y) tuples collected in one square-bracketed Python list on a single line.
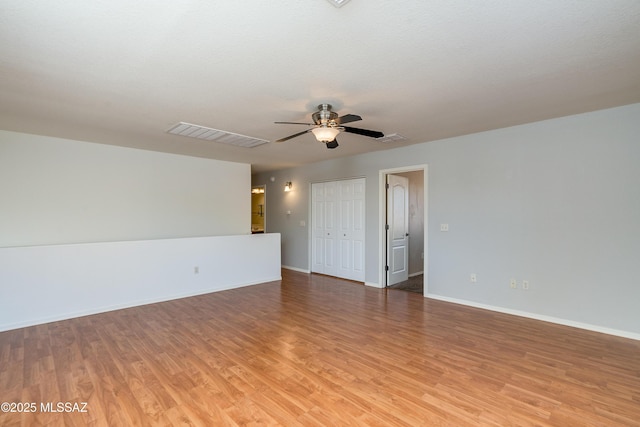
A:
[(325, 134)]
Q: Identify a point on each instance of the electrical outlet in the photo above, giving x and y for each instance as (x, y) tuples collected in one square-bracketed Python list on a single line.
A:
[(525, 285), (444, 227), (473, 278), (513, 284)]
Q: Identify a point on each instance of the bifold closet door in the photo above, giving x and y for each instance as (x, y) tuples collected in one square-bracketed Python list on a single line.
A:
[(338, 210)]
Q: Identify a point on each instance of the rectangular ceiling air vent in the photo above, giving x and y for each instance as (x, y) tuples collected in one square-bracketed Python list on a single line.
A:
[(215, 135), (338, 3), (391, 138)]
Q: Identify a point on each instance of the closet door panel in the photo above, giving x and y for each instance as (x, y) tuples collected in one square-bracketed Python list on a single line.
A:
[(330, 230)]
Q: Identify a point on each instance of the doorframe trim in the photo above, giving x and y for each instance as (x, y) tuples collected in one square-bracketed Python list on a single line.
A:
[(382, 206)]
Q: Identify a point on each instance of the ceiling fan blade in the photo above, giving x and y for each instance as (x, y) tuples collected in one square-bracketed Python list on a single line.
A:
[(293, 123), (348, 118), (332, 144), (286, 138), (364, 132)]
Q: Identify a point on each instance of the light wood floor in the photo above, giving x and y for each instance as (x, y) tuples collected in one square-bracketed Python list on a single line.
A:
[(317, 351)]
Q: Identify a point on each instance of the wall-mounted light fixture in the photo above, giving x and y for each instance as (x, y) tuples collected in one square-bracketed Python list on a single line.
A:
[(288, 186)]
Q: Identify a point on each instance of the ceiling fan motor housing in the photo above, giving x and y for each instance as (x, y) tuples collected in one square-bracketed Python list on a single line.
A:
[(324, 116)]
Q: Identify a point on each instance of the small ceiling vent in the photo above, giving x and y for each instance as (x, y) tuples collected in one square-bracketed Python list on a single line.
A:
[(215, 135), (338, 3), (391, 138)]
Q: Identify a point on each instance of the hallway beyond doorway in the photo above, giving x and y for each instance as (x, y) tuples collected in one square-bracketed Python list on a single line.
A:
[(413, 284)]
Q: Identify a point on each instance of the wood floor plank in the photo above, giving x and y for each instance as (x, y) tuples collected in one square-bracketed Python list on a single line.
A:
[(313, 350)]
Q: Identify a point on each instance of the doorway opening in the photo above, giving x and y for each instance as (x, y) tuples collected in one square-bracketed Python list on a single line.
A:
[(258, 209), (403, 214)]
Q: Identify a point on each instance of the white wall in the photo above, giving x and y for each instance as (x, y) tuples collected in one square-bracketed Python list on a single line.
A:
[(556, 203), (46, 283), (56, 191)]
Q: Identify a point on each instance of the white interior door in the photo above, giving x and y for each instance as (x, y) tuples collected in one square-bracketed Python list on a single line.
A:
[(398, 229)]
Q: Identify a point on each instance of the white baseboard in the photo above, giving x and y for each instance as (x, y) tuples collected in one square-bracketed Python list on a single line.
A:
[(550, 319), (299, 270), (416, 274)]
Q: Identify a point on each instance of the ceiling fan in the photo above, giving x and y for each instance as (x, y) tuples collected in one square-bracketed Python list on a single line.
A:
[(327, 125)]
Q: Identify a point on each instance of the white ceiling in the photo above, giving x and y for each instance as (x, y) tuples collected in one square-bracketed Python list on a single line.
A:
[(122, 72)]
